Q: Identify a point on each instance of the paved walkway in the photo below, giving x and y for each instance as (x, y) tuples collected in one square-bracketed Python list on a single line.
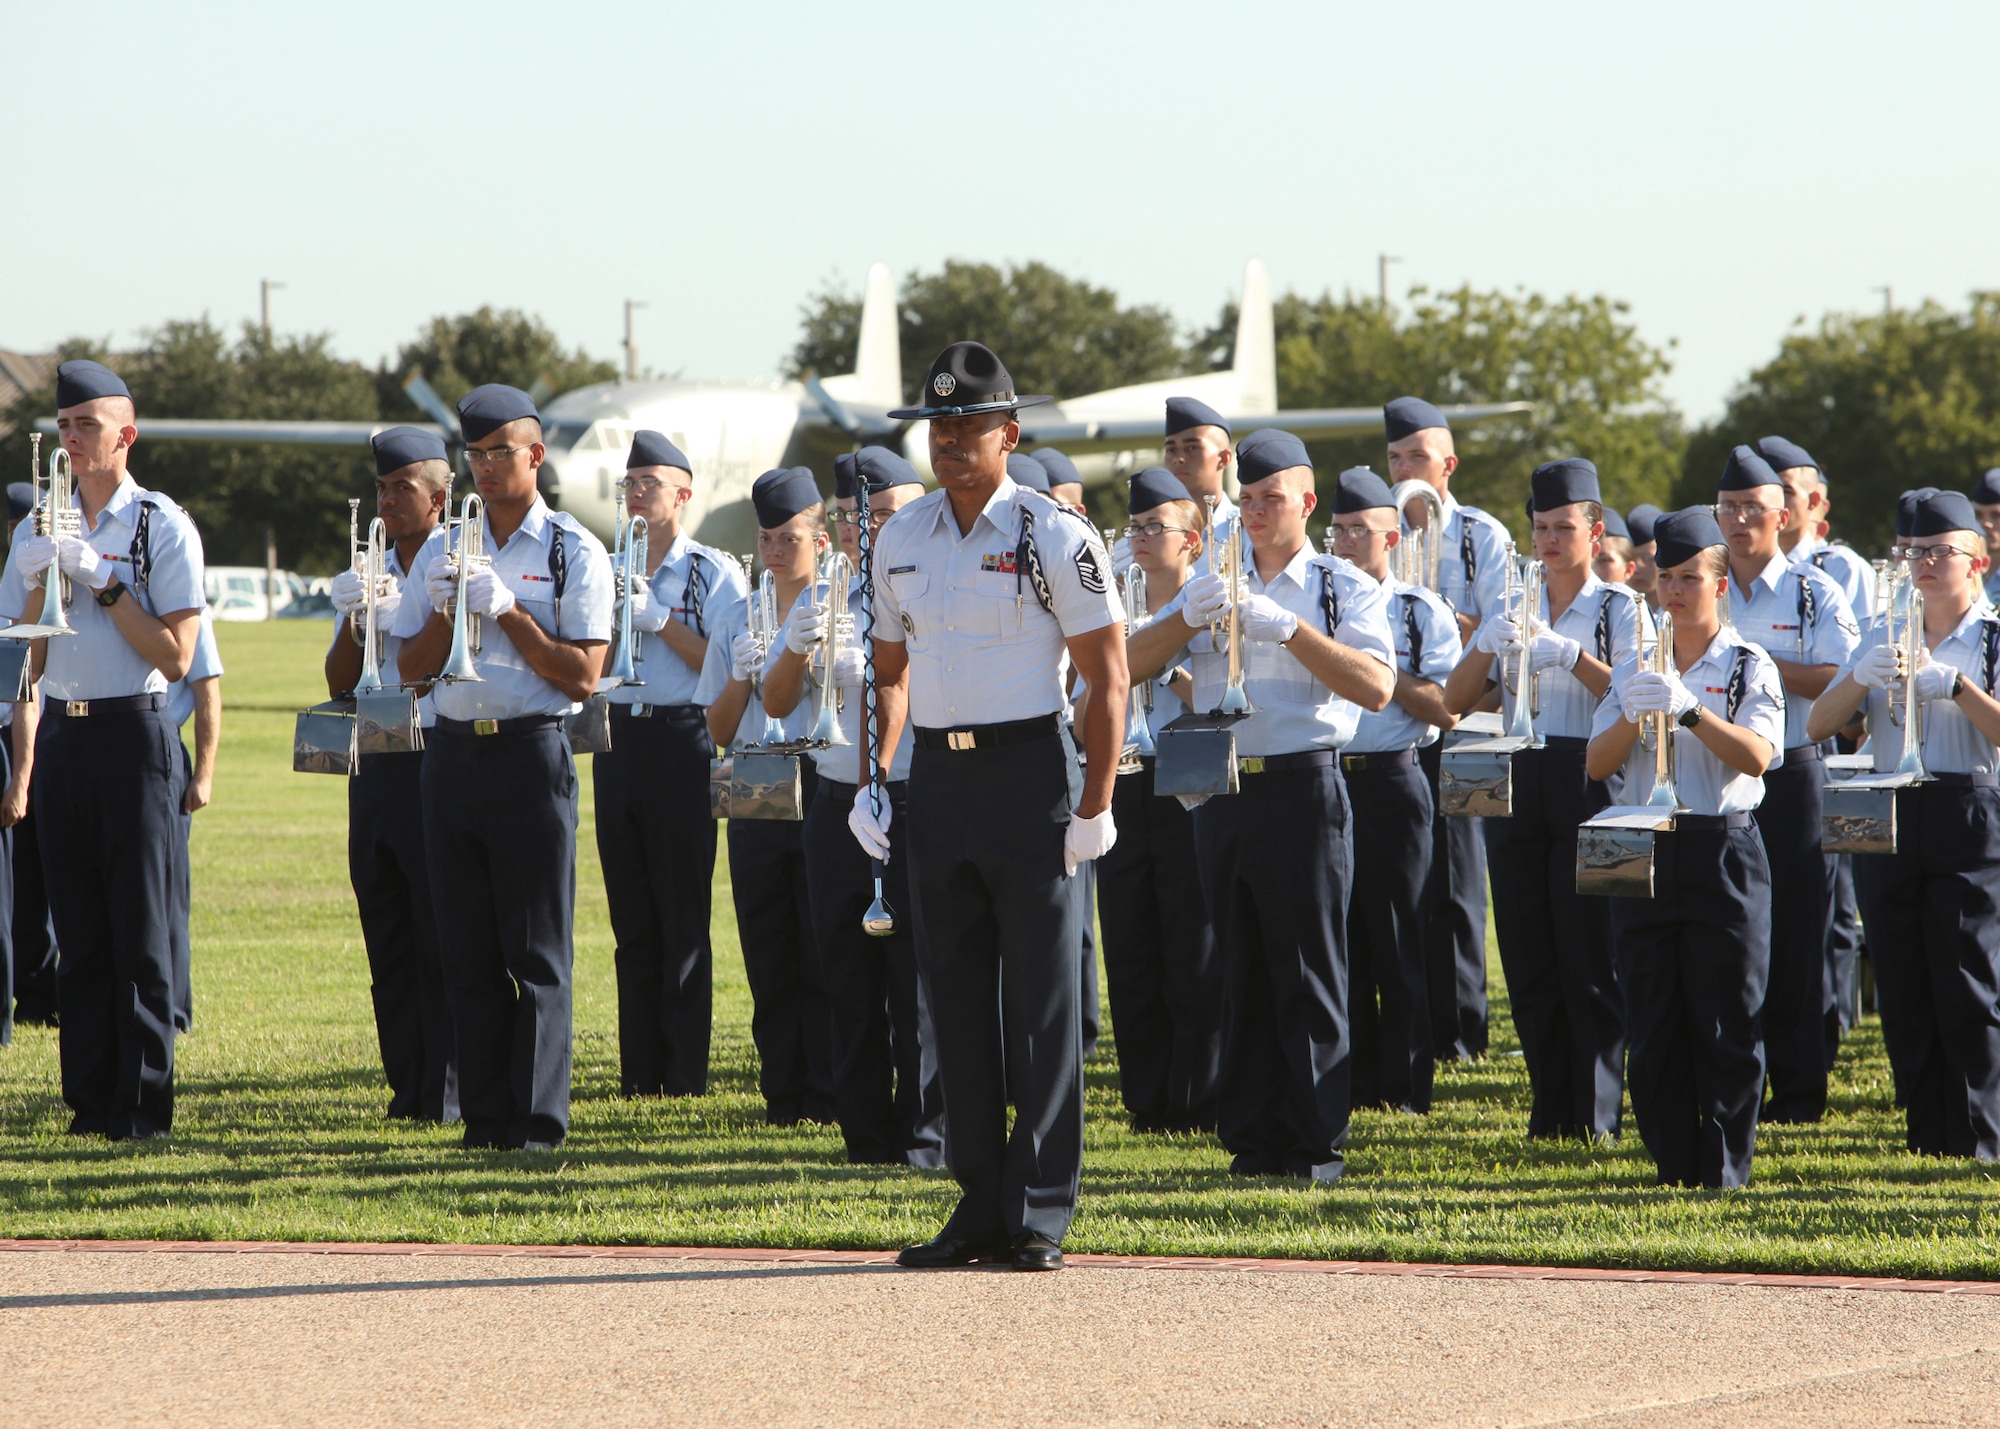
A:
[(98, 1333)]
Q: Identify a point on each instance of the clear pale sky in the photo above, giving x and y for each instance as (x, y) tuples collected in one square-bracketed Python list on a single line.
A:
[(1724, 168)]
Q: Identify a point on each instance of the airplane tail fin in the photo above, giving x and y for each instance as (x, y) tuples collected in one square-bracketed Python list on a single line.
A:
[(1256, 343), (877, 379)]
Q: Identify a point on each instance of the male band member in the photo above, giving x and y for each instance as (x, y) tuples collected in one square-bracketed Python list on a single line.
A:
[(385, 798), (1986, 502), (1935, 923), (789, 1020), (1388, 978), (196, 696), (1555, 945), (980, 589), (886, 1087), (499, 785), (1159, 950), (1693, 958), (1276, 859), (654, 836), (1473, 571), (1639, 523), (1808, 502), (105, 780), (1065, 482), (1798, 614), (27, 949), (1614, 562)]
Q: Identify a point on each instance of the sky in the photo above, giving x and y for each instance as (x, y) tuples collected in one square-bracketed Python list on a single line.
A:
[(1726, 169)]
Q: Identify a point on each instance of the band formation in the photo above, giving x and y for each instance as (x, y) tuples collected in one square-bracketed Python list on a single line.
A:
[(1705, 756)]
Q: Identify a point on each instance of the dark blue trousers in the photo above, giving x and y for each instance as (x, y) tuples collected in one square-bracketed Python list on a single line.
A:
[(500, 841), (1843, 952), (656, 842), (887, 1088), (996, 925), (789, 1020), (399, 928), (1160, 961), (1455, 927), (1936, 946), (1086, 902), (104, 801), (1800, 996), (34, 931), (1693, 960), (1388, 978), (9, 841), (1555, 947), (1275, 870), (183, 896)]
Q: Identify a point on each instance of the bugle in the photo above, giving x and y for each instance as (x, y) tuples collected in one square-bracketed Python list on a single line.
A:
[(466, 537), (55, 514), (628, 572), (1419, 556)]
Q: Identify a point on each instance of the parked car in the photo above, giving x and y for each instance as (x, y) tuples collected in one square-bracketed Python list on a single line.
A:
[(237, 593)]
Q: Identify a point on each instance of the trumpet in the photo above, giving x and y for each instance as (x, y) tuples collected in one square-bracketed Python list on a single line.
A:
[(372, 565), (1419, 557), (763, 617), (467, 554), (1656, 733), (628, 569), (56, 515), (838, 573), (1226, 632), (1139, 702), (1908, 711), (1522, 598)]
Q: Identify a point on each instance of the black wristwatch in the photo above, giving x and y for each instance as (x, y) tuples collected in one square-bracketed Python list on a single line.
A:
[(1957, 683), (1690, 717), (108, 597)]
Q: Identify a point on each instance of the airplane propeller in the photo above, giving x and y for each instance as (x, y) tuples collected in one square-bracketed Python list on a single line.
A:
[(836, 411)]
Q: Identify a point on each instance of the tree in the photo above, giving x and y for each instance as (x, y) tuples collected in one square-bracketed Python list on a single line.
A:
[(1885, 402), (1056, 334), (456, 354)]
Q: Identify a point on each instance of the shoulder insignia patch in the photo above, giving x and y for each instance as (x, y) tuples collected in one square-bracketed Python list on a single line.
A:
[(1088, 571)]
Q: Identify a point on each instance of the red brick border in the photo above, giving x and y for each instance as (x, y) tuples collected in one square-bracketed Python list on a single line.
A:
[(763, 1255)]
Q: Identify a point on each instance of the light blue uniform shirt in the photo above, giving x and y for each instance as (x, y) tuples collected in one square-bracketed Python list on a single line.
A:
[(750, 729), (97, 663), (1295, 712), (1993, 586), (1854, 575), (1413, 611), (1600, 619), (1796, 612), (697, 585), (982, 649), (1952, 743), (1490, 546), (206, 665), (1705, 784), (841, 761), (507, 688), (389, 647)]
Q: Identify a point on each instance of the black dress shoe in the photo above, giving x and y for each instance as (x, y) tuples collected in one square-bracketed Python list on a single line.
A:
[(81, 1125), (949, 1248), (1255, 1163), (1324, 1172), (1035, 1251)]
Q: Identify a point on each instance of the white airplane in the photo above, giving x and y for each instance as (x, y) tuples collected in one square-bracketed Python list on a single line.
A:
[(733, 431)]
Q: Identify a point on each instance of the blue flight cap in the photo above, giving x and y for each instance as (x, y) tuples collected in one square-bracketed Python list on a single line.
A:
[(1156, 486), (881, 467), (1028, 472), (1062, 471), (1906, 509), (1614, 524), (1267, 452), (1410, 414), (81, 380), (1783, 455), (1639, 521), (1987, 493), (781, 494), (1186, 412), (485, 410), (1564, 483), (653, 449), (1943, 512), (1360, 489), (1682, 535), (1746, 471), (399, 447), (20, 499)]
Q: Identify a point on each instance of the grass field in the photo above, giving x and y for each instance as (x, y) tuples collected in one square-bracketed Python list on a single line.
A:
[(279, 1133)]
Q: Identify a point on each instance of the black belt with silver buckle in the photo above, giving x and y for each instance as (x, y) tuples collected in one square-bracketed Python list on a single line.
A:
[(636, 710), (527, 724), (1380, 759), (1284, 763), (125, 704), (990, 736), (1803, 754), (1693, 823)]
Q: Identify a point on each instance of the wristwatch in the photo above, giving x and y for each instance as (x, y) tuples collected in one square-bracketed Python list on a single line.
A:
[(1690, 717), (108, 597), (1957, 683)]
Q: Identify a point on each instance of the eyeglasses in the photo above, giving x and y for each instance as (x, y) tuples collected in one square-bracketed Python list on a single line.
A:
[(646, 485), (1354, 533), (480, 456), (1744, 510), (1913, 554), (876, 517), (1151, 528)]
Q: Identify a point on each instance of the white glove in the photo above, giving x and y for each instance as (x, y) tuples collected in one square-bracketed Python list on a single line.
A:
[(1649, 693), (1264, 619), (36, 555), (388, 601), (348, 593), (486, 594), (1497, 633), (1935, 679), (807, 628), (870, 826), (848, 668), (82, 564), (441, 586), (647, 614), (1086, 839), (1203, 598), (1550, 651), (1882, 665), (745, 657)]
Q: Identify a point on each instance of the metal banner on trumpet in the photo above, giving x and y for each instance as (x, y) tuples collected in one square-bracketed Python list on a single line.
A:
[(55, 514), (1858, 814), (374, 717), (1614, 848), (1476, 776), (1196, 754)]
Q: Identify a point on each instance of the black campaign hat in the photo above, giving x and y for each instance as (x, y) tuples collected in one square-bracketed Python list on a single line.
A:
[(967, 377)]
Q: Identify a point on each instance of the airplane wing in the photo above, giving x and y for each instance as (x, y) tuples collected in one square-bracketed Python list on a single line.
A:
[(1115, 434), (307, 434)]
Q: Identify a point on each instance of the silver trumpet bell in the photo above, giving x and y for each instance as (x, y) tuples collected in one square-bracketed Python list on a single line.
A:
[(374, 560), (55, 514), (468, 554), (838, 575), (628, 567)]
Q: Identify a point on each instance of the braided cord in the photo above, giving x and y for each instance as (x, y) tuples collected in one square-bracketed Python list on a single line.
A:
[(866, 536)]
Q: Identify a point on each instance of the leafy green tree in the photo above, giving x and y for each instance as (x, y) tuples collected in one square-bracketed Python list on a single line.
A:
[(1056, 334), (1884, 402), (456, 354)]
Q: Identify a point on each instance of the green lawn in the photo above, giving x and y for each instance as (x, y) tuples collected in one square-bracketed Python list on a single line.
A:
[(279, 1133)]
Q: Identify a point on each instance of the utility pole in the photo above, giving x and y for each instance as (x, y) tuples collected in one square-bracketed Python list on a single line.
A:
[(631, 341), (264, 287), (1888, 297), (1382, 263)]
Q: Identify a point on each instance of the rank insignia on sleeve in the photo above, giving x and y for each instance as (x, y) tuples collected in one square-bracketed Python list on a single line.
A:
[(1088, 571), (1001, 561)]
